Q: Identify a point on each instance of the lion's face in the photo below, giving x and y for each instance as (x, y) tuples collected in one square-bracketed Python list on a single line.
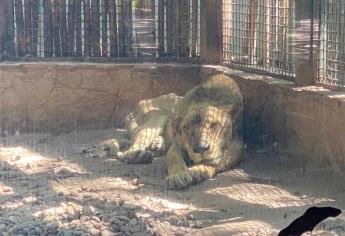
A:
[(203, 131)]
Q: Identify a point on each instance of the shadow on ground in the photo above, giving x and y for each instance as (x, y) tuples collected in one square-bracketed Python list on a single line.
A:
[(48, 187)]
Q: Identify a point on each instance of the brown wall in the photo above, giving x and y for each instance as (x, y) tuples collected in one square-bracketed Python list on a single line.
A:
[(308, 121), (62, 96)]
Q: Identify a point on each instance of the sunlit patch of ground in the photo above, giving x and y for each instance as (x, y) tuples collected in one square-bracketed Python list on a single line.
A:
[(101, 186), (236, 174), (57, 212), (11, 205), (30, 162), (241, 228), (114, 190), (320, 233), (263, 194), (16, 204), (5, 190), (157, 204)]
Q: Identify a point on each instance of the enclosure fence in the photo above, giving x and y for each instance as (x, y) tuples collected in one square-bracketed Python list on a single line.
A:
[(262, 35), (331, 64), (257, 34), (105, 28)]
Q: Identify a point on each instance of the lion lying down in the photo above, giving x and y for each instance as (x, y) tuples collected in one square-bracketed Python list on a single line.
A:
[(199, 133)]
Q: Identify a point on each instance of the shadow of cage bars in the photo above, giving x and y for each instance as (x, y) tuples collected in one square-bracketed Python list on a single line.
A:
[(105, 28)]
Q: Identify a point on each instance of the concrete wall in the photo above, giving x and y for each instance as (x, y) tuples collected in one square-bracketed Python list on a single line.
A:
[(63, 96), (304, 120)]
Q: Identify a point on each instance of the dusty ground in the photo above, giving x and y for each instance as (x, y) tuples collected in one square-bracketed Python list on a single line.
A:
[(48, 187)]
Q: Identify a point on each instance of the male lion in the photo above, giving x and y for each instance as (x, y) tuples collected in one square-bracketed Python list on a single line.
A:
[(201, 132)]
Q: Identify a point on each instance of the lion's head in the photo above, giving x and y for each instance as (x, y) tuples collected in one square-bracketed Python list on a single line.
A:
[(209, 120)]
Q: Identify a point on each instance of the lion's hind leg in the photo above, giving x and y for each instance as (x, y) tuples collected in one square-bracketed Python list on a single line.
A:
[(137, 156), (148, 142)]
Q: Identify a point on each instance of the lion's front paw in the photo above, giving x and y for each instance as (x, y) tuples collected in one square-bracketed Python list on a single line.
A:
[(179, 181), (137, 157), (197, 176)]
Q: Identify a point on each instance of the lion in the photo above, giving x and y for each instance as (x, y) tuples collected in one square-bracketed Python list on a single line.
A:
[(200, 133)]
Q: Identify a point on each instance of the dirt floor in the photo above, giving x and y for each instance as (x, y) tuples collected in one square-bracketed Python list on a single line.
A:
[(48, 187)]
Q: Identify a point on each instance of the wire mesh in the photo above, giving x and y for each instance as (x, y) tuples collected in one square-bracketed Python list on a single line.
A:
[(106, 28), (258, 34), (331, 66)]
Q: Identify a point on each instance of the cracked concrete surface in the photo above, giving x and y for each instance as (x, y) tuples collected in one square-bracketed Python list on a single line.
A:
[(62, 96)]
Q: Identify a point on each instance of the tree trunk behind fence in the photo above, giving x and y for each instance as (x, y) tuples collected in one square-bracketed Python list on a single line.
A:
[(35, 19), (121, 30), (95, 32), (160, 32), (113, 29), (125, 31), (28, 27), (87, 29), (63, 29), (104, 12), (153, 9), (184, 22), (8, 30), (70, 27), (170, 27), (48, 24), (56, 27), (20, 28), (129, 28), (155, 32), (2, 29), (177, 28)]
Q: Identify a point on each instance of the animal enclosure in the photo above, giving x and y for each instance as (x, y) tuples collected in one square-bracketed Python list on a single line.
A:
[(170, 117)]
